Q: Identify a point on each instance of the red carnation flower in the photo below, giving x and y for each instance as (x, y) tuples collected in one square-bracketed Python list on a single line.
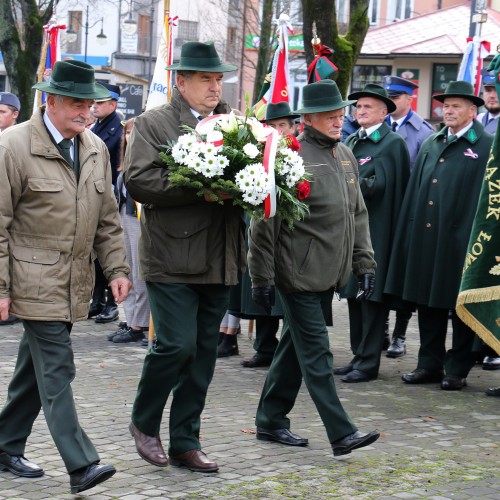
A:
[(303, 189), (292, 142)]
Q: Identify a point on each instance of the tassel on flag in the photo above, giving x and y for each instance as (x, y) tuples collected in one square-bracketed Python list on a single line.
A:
[(321, 67), (51, 52), (275, 88), (160, 88), (472, 62)]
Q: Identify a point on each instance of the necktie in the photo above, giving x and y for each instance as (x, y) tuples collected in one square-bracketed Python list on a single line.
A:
[(362, 133), (394, 126), (200, 117), (65, 146)]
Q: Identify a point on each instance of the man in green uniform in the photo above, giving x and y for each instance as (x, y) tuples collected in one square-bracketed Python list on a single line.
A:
[(306, 264), (57, 211), (432, 235), (384, 169), (191, 251)]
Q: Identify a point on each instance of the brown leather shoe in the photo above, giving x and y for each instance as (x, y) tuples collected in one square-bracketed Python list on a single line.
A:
[(194, 460), (148, 447)]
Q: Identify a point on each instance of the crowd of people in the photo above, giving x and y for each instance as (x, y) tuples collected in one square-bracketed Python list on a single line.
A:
[(391, 206)]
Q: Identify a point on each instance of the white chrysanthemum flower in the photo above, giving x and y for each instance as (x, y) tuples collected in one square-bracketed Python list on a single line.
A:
[(251, 150), (193, 161), (186, 141), (209, 170), (179, 154), (222, 161), (253, 182)]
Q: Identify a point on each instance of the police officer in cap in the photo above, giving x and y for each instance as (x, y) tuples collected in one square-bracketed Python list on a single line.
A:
[(404, 121), (9, 110), (489, 118)]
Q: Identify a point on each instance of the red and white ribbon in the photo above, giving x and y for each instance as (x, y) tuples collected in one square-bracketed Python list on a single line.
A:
[(471, 154), (268, 162)]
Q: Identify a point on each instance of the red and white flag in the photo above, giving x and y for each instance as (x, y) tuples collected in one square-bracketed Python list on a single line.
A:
[(51, 52), (472, 62), (278, 86)]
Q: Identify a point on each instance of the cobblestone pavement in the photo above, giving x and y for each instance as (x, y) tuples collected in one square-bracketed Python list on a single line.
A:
[(434, 444)]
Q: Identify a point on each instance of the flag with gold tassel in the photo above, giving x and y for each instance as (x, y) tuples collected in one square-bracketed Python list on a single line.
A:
[(478, 303)]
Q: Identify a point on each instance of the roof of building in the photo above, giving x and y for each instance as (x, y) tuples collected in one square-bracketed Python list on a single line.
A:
[(442, 33)]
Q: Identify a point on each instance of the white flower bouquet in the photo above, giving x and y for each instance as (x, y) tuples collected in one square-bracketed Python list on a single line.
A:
[(245, 159)]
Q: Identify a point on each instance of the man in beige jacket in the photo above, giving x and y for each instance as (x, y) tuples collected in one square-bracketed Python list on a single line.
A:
[(57, 212)]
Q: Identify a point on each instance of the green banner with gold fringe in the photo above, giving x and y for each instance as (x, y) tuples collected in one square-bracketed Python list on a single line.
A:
[(478, 303)]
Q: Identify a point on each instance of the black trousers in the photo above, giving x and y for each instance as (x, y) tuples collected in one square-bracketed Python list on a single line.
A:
[(266, 328), (101, 285), (432, 355)]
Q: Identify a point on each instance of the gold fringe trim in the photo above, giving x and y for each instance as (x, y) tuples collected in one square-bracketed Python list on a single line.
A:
[(489, 294)]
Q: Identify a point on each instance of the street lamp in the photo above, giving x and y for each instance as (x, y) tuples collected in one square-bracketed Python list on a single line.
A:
[(129, 26), (71, 33)]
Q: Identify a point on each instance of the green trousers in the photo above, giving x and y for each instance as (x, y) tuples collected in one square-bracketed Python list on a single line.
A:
[(303, 352), (186, 320), (367, 330), (42, 378)]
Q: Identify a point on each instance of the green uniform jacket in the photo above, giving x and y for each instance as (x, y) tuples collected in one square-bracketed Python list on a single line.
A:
[(436, 218), (184, 239), (384, 169), (319, 253)]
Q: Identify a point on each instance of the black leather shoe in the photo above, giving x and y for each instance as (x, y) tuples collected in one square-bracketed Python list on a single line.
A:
[(353, 441), (357, 376), (255, 361), (422, 376), (397, 348), (109, 314), (95, 309), (491, 363), (283, 436), (19, 466), (452, 383), (88, 477), (343, 370), (493, 391)]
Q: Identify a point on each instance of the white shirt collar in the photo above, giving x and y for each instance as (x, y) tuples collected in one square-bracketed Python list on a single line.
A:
[(52, 129), (460, 133), (372, 129), (196, 114)]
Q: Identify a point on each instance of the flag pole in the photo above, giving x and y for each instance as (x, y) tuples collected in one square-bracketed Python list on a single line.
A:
[(162, 60)]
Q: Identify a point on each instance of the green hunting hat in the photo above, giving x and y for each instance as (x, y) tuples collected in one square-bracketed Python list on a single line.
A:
[(73, 79), (459, 89), (279, 110), (200, 56), (377, 92), (321, 96)]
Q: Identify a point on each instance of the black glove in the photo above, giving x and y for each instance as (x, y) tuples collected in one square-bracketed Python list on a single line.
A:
[(264, 297), (366, 284)]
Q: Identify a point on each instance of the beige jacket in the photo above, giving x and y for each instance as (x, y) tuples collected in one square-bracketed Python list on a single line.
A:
[(51, 229)]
